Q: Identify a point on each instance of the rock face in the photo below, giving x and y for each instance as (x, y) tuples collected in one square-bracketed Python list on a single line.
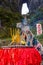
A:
[(16, 5)]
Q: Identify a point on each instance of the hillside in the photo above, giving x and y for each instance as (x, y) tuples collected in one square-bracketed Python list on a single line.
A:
[(10, 14)]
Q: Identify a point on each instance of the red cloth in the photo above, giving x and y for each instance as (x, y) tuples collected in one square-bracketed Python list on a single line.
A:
[(19, 56)]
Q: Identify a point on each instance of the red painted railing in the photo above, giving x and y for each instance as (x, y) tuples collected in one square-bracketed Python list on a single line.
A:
[(19, 56)]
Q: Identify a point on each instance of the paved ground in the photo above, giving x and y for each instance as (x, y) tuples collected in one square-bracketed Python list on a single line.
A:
[(42, 63)]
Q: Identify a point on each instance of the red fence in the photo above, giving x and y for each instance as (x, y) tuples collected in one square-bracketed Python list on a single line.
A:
[(19, 56)]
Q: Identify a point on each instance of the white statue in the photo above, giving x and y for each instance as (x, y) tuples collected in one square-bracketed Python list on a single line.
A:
[(24, 9)]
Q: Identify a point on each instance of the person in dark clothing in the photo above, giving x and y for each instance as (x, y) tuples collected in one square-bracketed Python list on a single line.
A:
[(34, 42)]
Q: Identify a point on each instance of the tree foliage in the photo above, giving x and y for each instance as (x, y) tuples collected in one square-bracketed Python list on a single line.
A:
[(38, 15), (8, 17)]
